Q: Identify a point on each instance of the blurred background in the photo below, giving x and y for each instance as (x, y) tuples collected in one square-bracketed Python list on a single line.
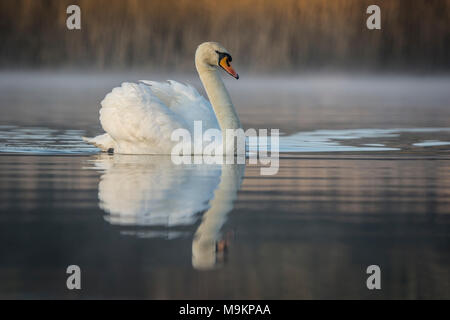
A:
[(282, 36)]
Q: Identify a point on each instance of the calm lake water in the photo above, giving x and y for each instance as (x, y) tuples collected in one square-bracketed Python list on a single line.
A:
[(364, 179)]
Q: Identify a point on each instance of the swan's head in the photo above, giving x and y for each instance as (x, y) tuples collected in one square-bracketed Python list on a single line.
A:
[(212, 55)]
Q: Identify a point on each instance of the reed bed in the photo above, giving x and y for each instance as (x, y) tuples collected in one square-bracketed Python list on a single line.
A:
[(266, 35)]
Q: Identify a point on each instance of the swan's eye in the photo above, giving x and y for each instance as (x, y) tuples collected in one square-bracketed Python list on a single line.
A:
[(224, 58)]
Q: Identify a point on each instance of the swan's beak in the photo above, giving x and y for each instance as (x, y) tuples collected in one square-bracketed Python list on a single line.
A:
[(226, 65)]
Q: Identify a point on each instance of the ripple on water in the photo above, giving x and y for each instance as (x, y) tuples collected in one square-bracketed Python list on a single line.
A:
[(41, 141), (357, 140), (431, 143)]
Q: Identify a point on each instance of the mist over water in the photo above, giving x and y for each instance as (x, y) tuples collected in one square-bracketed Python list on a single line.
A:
[(306, 102)]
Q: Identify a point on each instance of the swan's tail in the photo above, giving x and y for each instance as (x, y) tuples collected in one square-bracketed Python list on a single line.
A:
[(103, 142)]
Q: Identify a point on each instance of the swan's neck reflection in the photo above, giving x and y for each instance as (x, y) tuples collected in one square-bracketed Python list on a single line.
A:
[(151, 191), (206, 250)]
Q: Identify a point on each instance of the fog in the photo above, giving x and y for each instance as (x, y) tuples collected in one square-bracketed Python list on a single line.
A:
[(308, 101)]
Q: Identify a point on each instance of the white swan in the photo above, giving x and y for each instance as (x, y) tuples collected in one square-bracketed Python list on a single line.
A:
[(140, 118)]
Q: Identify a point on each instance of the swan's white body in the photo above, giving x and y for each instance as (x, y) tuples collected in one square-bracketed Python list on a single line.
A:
[(140, 118)]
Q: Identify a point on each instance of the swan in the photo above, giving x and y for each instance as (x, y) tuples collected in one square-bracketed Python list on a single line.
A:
[(139, 118)]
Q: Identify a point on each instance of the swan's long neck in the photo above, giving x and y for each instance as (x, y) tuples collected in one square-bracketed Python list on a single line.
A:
[(219, 98)]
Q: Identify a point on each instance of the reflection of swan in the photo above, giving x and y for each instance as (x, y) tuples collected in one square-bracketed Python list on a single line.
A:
[(140, 118), (152, 191), (205, 245)]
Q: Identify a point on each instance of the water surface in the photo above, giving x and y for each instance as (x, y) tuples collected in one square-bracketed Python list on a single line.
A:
[(364, 179)]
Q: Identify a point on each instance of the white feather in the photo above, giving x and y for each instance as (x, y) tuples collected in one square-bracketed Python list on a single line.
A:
[(139, 118)]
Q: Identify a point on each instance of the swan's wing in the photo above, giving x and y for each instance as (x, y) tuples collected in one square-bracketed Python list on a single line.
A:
[(133, 113), (185, 101)]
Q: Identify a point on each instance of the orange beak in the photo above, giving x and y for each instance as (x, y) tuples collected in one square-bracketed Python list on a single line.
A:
[(225, 64)]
